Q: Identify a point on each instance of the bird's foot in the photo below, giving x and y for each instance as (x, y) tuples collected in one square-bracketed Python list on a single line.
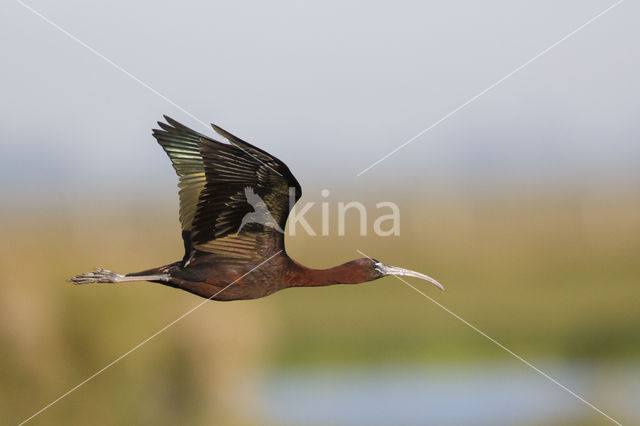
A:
[(99, 275)]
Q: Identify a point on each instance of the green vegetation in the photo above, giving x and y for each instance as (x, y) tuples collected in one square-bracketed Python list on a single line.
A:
[(549, 278)]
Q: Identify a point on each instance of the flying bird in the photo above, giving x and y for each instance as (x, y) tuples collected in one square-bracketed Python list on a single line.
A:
[(260, 214), (234, 204)]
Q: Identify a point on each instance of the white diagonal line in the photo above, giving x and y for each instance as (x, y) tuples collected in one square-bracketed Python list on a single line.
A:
[(512, 353), (124, 71), (491, 86), (482, 333), (142, 343)]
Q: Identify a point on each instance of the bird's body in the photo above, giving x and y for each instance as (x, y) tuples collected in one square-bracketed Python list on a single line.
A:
[(234, 204), (211, 279)]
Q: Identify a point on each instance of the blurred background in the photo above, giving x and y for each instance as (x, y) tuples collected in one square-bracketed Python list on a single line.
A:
[(525, 205)]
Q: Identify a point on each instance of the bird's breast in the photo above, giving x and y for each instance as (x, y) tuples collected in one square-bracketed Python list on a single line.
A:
[(229, 282)]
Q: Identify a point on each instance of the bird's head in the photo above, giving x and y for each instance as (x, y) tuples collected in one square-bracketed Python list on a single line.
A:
[(375, 269)]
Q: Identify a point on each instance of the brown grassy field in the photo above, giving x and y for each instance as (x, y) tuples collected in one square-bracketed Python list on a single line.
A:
[(551, 278)]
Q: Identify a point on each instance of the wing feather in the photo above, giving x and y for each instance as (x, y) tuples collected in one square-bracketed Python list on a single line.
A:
[(214, 177), (182, 145)]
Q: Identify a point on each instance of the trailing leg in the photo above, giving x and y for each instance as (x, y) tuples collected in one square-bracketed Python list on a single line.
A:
[(104, 276)]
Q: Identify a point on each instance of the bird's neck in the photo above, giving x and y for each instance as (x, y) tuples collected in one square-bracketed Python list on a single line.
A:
[(341, 274)]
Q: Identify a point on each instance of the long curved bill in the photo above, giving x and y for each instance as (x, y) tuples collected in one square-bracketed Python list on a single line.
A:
[(394, 270)]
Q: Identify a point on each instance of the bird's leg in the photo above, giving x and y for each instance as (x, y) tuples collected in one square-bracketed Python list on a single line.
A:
[(103, 276)]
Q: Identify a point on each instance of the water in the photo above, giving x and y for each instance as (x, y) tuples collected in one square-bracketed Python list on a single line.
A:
[(478, 394)]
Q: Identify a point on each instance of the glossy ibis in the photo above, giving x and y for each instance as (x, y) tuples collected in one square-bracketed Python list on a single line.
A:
[(234, 204)]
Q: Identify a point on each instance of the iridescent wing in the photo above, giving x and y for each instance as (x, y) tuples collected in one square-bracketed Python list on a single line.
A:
[(213, 202)]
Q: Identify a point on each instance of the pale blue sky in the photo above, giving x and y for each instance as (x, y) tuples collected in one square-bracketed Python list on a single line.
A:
[(328, 87)]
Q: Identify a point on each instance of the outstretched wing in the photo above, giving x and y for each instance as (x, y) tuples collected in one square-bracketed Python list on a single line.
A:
[(182, 145), (213, 177)]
